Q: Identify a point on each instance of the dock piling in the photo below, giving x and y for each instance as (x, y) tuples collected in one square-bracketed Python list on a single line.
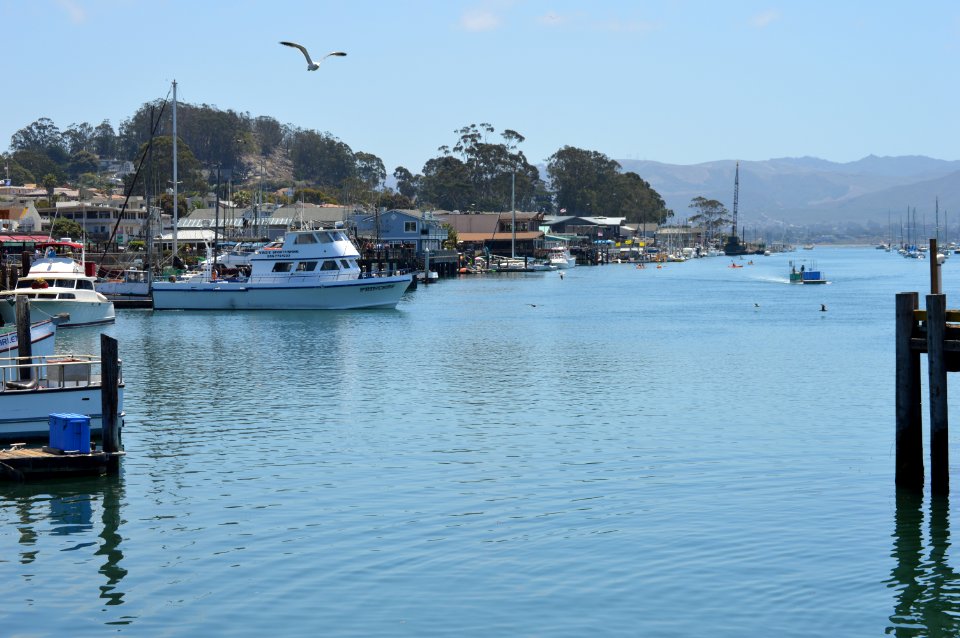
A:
[(909, 414), (937, 382), (24, 345), (109, 380)]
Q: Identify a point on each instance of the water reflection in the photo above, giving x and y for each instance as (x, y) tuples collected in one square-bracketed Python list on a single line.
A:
[(928, 588), (86, 511)]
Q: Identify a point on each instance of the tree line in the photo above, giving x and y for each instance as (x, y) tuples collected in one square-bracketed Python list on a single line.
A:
[(481, 170)]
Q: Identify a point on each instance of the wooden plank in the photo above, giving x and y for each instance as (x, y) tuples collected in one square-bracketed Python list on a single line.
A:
[(953, 316)]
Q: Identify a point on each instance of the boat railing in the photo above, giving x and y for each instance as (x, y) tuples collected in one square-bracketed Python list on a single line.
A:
[(50, 372)]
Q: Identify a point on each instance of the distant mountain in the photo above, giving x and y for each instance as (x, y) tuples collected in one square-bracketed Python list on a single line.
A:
[(808, 190)]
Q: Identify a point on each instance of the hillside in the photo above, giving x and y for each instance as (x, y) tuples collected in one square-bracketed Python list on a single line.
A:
[(801, 191)]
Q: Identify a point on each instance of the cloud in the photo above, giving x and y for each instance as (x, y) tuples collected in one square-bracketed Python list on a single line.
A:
[(74, 10), (765, 19), (552, 19), (479, 20)]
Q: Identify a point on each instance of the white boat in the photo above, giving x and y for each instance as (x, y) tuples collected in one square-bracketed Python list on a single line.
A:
[(57, 284), (133, 283), (561, 258), (42, 334), (306, 270), (31, 391)]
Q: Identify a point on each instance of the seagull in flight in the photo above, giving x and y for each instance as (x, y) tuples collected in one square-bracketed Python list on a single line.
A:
[(311, 65)]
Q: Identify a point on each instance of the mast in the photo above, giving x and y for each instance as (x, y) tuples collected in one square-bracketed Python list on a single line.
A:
[(513, 214), (736, 198), (175, 183)]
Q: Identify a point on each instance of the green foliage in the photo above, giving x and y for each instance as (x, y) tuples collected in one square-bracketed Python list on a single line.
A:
[(321, 159), (313, 196), (407, 183), (711, 214), (63, 227), (589, 183), (136, 245), (81, 162), (38, 164)]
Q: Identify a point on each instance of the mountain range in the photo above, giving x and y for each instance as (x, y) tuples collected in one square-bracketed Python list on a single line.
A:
[(807, 191)]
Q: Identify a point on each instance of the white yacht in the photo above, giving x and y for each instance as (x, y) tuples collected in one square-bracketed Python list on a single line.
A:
[(561, 258), (306, 270), (57, 284)]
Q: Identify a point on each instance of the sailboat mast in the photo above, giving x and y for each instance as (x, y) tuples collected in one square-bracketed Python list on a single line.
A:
[(736, 198), (175, 183)]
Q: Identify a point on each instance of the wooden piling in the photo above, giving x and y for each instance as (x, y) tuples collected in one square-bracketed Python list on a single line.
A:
[(24, 344), (109, 381), (909, 414), (937, 384)]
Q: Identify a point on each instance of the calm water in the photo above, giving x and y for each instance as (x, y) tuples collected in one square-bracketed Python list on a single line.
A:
[(688, 451)]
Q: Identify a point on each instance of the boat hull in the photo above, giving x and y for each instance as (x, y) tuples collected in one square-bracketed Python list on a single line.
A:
[(378, 292), (81, 313), (25, 414), (41, 340)]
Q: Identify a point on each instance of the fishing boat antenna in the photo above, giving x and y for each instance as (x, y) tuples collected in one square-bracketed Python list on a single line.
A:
[(736, 198)]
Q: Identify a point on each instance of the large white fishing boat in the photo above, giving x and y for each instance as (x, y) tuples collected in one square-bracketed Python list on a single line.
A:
[(32, 390), (306, 270), (57, 284), (561, 258)]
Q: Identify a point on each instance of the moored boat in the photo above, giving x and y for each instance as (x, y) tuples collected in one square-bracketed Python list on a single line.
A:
[(32, 390), (306, 270), (57, 284), (42, 337)]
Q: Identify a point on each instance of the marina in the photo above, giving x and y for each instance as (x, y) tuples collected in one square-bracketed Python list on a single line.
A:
[(618, 451)]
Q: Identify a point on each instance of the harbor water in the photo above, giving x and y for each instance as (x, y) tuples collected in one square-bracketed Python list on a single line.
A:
[(693, 450)]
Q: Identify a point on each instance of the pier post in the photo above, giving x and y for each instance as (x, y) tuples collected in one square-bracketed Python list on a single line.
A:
[(24, 346), (109, 380), (909, 436), (937, 382)]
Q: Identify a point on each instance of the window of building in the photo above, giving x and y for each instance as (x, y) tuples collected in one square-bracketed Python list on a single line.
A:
[(409, 227)]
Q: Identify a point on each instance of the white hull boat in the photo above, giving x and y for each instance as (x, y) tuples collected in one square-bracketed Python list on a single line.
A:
[(56, 285), (42, 336), (307, 270), (562, 259), (30, 392)]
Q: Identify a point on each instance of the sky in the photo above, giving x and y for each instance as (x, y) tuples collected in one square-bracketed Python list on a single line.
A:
[(675, 81)]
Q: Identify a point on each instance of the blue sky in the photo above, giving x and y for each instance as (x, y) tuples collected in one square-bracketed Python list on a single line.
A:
[(679, 81)]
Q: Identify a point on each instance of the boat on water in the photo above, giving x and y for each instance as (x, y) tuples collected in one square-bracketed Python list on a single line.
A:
[(58, 284), (42, 335), (806, 273), (132, 284), (305, 270), (561, 258), (33, 389)]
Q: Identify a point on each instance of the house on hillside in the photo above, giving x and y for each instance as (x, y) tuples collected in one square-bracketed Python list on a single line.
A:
[(19, 215)]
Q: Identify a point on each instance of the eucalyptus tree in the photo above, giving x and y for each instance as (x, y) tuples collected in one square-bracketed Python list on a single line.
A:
[(407, 182), (321, 159), (711, 214), (79, 138), (105, 140), (579, 178)]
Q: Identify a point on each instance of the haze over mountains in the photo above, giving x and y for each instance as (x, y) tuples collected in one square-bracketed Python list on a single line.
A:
[(810, 191)]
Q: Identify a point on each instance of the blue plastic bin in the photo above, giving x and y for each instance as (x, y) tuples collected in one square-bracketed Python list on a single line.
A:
[(70, 432)]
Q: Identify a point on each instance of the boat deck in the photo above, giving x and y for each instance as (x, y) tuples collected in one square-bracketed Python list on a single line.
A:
[(19, 463)]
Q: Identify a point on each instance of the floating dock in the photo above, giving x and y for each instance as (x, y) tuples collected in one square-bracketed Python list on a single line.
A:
[(20, 463)]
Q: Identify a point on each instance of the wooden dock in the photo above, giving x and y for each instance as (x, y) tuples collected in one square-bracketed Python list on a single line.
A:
[(20, 463)]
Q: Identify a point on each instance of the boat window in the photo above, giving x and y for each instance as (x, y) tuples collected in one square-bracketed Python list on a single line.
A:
[(24, 283), (306, 238), (330, 264), (83, 284), (282, 266), (67, 295), (306, 266), (325, 238), (345, 264), (339, 236)]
